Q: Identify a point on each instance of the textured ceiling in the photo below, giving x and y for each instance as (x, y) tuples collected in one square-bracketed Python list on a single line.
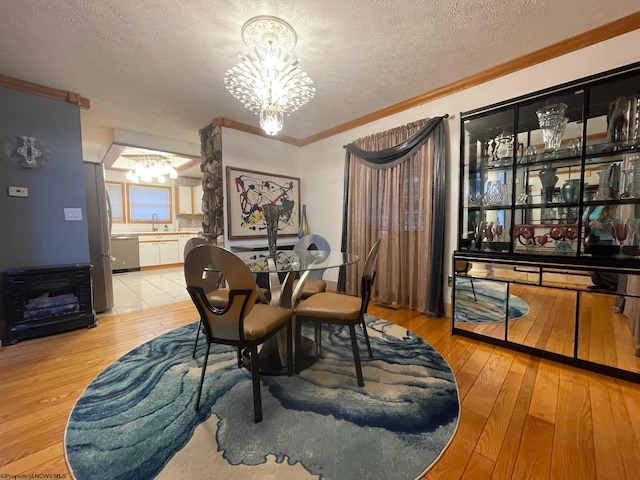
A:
[(157, 66)]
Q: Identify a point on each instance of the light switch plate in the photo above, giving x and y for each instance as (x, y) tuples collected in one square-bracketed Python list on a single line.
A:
[(73, 214), (18, 192)]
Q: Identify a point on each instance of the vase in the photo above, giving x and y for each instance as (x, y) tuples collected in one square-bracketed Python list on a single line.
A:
[(552, 124), (272, 214), (570, 190), (624, 119), (494, 192), (548, 178), (304, 225)]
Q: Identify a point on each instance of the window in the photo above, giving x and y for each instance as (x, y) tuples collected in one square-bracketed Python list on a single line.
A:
[(144, 201), (116, 197)]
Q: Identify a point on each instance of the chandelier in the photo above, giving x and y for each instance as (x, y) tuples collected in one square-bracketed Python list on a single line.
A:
[(148, 168), (268, 81)]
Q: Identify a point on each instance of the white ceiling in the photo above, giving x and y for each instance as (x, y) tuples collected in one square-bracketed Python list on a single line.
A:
[(157, 66)]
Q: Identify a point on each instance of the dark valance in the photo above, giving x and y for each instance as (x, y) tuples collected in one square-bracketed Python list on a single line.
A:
[(389, 157)]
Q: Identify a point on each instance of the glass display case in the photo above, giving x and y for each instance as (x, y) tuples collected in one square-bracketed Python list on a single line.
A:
[(556, 172), (550, 216)]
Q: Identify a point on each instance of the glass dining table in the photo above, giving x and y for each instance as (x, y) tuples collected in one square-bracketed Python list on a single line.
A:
[(283, 269)]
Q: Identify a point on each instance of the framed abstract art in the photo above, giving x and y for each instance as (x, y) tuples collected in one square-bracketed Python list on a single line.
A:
[(248, 191)]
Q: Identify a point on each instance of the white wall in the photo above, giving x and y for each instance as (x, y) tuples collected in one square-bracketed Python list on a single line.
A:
[(324, 161), (143, 140)]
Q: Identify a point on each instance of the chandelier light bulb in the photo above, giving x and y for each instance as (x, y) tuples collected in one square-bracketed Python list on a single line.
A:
[(271, 120)]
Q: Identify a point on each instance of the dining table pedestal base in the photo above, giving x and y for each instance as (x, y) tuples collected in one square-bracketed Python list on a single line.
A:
[(272, 364)]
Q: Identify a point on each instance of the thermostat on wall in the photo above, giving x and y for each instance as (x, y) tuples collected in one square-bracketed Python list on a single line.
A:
[(18, 192)]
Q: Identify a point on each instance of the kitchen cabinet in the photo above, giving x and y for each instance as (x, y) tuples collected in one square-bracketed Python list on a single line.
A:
[(534, 172), (158, 250), (184, 197), (183, 238), (197, 200), (189, 200)]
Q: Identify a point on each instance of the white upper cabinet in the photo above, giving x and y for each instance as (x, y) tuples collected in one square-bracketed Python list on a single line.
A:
[(197, 199), (184, 205)]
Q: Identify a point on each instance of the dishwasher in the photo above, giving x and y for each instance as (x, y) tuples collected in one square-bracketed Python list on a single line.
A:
[(125, 255)]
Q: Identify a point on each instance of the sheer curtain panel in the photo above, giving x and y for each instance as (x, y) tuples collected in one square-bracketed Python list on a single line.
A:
[(395, 191)]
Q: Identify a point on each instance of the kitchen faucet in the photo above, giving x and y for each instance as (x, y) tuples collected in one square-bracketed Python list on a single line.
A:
[(154, 219)]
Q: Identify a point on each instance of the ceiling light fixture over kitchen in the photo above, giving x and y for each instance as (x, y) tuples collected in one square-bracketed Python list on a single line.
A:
[(148, 168), (269, 82)]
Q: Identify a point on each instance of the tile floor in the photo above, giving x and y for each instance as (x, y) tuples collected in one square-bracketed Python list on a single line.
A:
[(150, 288)]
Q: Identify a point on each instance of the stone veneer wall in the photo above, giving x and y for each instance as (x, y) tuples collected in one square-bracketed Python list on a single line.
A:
[(212, 183)]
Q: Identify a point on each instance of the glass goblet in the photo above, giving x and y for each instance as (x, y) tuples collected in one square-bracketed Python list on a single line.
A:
[(619, 231), (542, 240)]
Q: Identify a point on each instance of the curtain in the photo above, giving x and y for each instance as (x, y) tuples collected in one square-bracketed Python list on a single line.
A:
[(395, 190)]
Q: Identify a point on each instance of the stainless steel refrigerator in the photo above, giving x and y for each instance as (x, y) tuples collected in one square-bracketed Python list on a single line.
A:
[(99, 223)]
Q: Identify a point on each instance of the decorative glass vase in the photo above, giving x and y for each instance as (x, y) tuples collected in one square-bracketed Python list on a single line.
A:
[(494, 192), (552, 123), (570, 190), (272, 218), (304, 224), (548, 179)]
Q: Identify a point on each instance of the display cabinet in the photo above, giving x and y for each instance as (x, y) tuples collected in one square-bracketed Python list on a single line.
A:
[(533, 170), (550, 183)]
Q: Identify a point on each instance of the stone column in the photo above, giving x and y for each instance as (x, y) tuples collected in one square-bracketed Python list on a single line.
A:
[(212, 190)]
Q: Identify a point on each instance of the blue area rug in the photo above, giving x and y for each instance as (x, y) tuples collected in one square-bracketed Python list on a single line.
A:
[(136, 420), (490, 304)]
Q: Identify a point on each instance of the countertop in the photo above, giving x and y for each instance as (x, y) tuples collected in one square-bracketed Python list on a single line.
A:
[(159, 232)]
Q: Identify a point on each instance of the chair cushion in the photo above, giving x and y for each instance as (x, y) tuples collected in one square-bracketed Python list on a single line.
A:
[(331, 306), (264, 319), (311, 287), (220, 298)]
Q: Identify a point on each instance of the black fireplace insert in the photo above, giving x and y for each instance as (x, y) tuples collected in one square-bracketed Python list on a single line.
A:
[(46, 300)]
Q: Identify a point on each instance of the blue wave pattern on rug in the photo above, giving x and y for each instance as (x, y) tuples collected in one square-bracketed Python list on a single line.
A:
[(490, 304), (137, 414)]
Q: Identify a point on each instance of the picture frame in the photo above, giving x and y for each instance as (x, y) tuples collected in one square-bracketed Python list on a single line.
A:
[(249, 190)]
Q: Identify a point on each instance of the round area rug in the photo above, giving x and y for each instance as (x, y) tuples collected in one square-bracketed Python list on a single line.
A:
[(137, 420), (489, 304)]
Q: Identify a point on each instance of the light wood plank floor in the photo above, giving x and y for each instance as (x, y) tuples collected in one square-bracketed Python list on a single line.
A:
[(521, 417)]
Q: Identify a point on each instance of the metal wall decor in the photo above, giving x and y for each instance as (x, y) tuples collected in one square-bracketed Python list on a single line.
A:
[(27, 152)]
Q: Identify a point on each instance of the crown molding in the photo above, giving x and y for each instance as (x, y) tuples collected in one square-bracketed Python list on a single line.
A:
[(243, 127), (605, 32), (41, 90)]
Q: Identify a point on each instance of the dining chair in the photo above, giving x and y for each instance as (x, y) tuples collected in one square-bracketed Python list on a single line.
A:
[(314, 283), (342, 309), (218, 296), (242, 323), (461, 268), (209, 281)]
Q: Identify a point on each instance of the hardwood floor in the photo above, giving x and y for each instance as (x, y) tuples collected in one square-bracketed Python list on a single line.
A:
[(521, 417)]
